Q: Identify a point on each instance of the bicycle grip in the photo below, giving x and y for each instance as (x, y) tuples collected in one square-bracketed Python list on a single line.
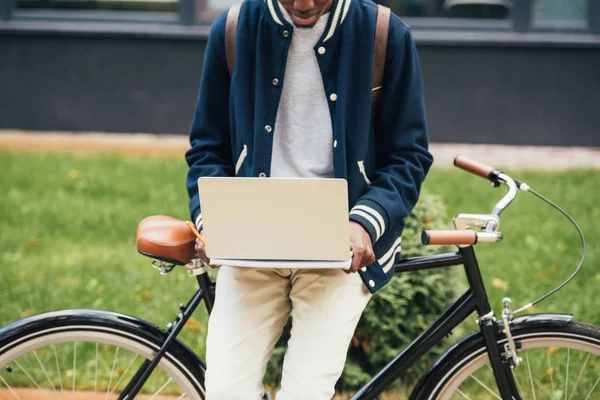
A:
[(462, 237), (474, 167)]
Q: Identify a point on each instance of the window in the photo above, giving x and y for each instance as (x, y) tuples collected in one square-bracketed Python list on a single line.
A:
[(488, 9), (219, 5), (480, 15), (560, 13), (124, 5)]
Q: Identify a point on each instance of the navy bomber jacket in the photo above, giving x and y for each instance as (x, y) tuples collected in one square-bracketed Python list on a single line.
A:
[(384, 159)]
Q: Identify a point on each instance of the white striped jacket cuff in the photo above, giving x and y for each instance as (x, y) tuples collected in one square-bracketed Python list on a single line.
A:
[(372, 217), (199, 222)]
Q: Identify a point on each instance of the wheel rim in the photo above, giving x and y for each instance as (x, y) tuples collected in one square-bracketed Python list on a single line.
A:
[(74, 362), (555, 366)]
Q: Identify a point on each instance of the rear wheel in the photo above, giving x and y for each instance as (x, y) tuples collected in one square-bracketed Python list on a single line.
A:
[(89, 359), (560, 363)]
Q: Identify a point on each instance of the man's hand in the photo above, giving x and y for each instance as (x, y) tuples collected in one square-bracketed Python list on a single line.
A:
[(201, 251), (362, 248)]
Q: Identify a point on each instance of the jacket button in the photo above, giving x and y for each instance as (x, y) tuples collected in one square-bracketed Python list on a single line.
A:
[(262, 175), (364, 269), (321, 50), (333, 97), (286, 33), (268, 128), (275, 81), (372, 283), (334, 143)]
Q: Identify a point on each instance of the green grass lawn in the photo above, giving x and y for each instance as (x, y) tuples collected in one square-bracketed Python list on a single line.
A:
[(68, 222)]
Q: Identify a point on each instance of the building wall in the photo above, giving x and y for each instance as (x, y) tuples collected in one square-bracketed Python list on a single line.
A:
[(504, 93)]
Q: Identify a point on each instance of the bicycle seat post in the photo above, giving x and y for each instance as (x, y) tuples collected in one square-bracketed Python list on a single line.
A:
[(199, 269)]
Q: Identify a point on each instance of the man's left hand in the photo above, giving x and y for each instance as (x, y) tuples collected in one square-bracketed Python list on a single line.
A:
[(362, 248)]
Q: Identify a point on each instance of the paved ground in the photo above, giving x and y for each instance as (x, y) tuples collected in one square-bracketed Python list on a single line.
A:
[(35, 394), (516, 157)]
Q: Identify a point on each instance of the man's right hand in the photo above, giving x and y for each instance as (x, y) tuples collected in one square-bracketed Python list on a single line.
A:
[(201, 251)]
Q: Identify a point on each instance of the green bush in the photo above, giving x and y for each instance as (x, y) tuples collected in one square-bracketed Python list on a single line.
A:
[(399, 312)]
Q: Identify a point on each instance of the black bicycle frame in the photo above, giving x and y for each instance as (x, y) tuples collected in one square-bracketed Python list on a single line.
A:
[(473, 300), (206, 293)]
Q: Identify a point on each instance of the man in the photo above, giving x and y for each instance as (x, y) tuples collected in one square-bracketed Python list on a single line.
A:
[(298, 105)]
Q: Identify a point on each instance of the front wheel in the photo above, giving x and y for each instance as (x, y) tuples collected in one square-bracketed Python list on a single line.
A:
[(89, 354), (559, 362)]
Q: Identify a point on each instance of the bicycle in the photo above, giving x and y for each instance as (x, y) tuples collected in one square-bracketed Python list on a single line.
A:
[(493, 362)]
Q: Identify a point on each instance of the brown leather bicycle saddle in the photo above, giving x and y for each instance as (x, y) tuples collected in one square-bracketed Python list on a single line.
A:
[(166, 238)]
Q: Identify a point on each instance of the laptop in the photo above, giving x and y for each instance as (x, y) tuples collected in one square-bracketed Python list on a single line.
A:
[(276, 222)]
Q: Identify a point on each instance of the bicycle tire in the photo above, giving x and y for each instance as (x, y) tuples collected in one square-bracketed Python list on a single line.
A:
[(39, 336), (469, 357)]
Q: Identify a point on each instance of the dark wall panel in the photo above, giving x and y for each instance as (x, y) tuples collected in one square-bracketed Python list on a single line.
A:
[(99, 84), (500, 94), (546, 96)]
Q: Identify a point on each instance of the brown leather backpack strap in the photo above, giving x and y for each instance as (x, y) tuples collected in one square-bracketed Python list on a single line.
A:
[(380, 45), (379, 51), (230, 35)]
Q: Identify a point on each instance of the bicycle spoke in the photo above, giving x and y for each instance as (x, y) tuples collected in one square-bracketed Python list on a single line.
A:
[(32, 380), (550, 370), (82, 361), (462, 394), (579, 377), (567, 374), (45, 373), (124, 373), (74, 366), (160, 389), (486, 388), (9, 388), (530, 376), (111, 373), (96, 374), (62, 391), (592, 391), (518, 383)]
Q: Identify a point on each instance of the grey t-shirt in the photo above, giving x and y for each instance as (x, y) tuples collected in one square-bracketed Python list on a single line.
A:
[(302, 142)]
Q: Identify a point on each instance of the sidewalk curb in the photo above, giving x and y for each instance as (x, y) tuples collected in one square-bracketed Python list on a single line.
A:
[(515, 157)]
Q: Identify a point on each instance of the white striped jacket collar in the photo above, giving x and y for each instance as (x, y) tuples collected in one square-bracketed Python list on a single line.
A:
[(337, 14)]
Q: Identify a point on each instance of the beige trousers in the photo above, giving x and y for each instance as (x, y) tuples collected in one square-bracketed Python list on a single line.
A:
[(251, 308)]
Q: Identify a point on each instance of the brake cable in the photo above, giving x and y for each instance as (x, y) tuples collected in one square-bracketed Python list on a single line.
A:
[(524, 187)]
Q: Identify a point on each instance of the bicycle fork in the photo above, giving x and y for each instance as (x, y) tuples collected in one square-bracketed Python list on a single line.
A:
[(502, 368)]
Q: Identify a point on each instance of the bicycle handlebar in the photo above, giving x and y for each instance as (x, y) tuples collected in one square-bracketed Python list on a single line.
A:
[(475, 167), (462, 237), (494, 175)]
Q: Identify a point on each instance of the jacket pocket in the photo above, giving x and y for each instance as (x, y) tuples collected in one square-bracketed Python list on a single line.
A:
[(361, 167), (241, 159)]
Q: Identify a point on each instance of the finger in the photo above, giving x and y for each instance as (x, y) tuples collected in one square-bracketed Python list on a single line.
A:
[(356, 259), (204, 257), (198, 247), (201, 251), (369, 257)]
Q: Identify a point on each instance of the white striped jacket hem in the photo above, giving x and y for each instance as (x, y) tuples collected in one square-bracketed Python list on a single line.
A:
[(387, 260)]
